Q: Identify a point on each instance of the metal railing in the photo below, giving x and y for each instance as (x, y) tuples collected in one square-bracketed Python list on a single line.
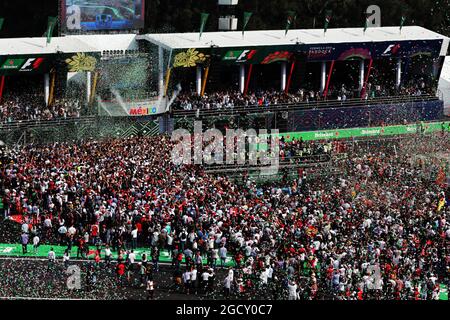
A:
[(30, 124), (292, 162), (313, 105)]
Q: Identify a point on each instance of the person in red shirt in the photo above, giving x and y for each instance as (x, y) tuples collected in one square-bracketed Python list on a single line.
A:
[(120, 271)]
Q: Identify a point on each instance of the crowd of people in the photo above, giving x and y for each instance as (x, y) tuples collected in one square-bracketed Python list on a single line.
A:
[(377, 230), (33, 107), (264, 98)]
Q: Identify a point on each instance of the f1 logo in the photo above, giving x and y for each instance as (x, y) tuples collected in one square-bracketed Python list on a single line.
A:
[(246, 55), (32, 64), (388, 50), (391, 49)]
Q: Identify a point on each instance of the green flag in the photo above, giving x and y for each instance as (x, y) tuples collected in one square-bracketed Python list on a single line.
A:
[(50, 27), (247, 16), (402, 22), (327, 20), (366, 22), (203, 19), (290, 20), (1, 22)]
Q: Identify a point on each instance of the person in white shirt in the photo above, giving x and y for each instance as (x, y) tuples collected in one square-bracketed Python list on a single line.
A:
[(108, 254), (132, 256), (66, 258), (169, 243), (205, 278), (35, 244), (25, 228), (187, 280), (72, 230), (194, 282), (51, 258), (134, 235), (227, 286), (264, 277), (222, 255), (269, 273), (292, 287), (150, 288)]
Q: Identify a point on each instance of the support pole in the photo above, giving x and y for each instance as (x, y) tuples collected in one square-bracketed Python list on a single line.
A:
[(199, 80), (169, 72), (88, 86), (204, 81), (94, 87), (46, 87), (363, 91), (291, 72), (242, 78), (52, 89), (2, 86), (361, 74), (398, 78), (329, 78), (283, 76), (248, 79), (323, 76), (160, 71)]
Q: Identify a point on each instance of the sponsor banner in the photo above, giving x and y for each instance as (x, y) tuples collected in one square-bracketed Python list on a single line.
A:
[(72, 62), (21, 64), (372, 50), (313, 52), (368, 132), (132, 109), (12, 64), (258, 55)]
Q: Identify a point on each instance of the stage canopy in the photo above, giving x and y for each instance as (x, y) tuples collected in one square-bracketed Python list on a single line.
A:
[(67, 44), (34, 55), (267, 46)]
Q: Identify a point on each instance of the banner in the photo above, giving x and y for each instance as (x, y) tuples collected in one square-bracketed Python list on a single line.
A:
[(81, 62), (366, 132), (43, 63), (132, 108), (313, 52), (10, 65)]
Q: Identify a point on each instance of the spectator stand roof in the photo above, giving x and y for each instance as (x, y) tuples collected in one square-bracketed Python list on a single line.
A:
[(233, 39), (67, 44)]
